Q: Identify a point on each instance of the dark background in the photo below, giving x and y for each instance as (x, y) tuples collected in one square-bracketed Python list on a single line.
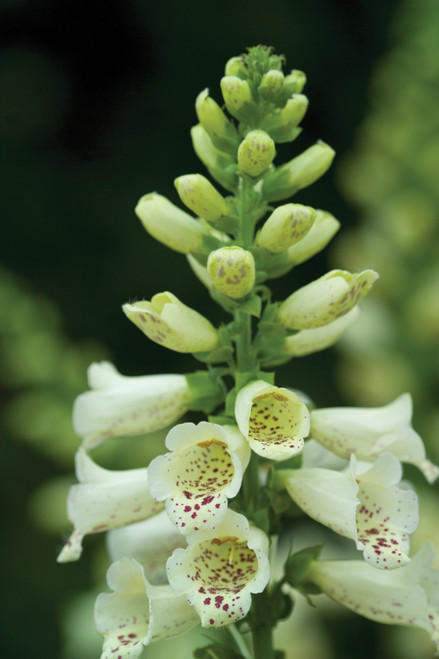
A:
[(97, 99)]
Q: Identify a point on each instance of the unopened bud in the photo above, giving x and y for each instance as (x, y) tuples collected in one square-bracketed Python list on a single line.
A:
[(294, 82), (169, 224), (198, 194), (214, 121), (235, 67), (271, 84), (236, 94), (300, 172), (232, 271), (221, 166), (286, 226), (326, 299), (282, 123), (256, 153)]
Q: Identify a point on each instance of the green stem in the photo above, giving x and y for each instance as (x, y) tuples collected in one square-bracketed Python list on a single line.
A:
[(243, 342), (262, 630)]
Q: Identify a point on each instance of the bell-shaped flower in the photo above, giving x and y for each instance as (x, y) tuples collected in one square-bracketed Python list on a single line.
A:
[(198, 194), (201, 472), (256, 153), (408, 596), (170, 225), (150, 542), (273, 420), (103, 500), (286, 225), (232, 270), (367, 432), (138, 613), (326, 299), (220, 569), (367, 507), (172, 324), (122, 406)]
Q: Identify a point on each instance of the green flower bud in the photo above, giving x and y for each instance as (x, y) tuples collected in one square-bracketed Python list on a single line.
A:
[(286, 226), (294, 82), (232, 271), (222, 132), (256, 153), (236, 94), (170, 225), (172, 324), (326, 299), (235, 67), (282, 123), (271, 84), (221, 166), (198, 194), (298, 173)]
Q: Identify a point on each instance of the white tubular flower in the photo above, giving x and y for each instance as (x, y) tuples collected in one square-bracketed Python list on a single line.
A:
[(220, 570), (325, 299), (273, 420), (408, 596), (368, 432), (308, 341), (172, 324), (203, 469), (367, 507), (104, 500), (121, 406), (150, 542), (138, 613)]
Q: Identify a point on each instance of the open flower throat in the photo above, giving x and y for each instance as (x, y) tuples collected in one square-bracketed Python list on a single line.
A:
[(273, 418), (205, 467)]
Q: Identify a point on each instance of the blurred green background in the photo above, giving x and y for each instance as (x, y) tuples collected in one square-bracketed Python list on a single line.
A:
[(97, 99)]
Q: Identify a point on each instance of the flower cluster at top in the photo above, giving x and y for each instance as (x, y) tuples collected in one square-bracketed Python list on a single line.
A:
[(189, 535)]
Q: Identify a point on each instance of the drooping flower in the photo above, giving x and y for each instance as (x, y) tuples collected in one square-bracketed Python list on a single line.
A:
[(220, 569), (172, 324), (368, 432), (325, 299), (103, 500), (308, 341), (273, 420), (407, 596), (120, 406), (150, 542), (202, 470), (138, 613), (367, 507)]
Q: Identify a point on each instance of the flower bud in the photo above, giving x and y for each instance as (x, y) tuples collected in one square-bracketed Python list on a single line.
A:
[(198, 194), (172, 324), (271, 84), (235, 67), (170, 225), (285, 226), (232, 271), (215, 122), (256, 153), (326, 299), (294, 82), (282, 123), (221, 166), (236, 94), (300, 172)]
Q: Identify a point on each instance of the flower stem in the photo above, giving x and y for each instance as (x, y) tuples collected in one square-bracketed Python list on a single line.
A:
[(262, 629)]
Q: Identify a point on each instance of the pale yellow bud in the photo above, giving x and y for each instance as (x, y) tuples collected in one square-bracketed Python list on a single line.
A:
[(325, 226), (232, 271), (326, 299), (282, 123), (256, 153), (271, 84), (295, 82), (210, 115), (170, 225), (286, 225), (221, 166), (198, 194), (300, 172), (235, 67), (236, 94), (172, 324)]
